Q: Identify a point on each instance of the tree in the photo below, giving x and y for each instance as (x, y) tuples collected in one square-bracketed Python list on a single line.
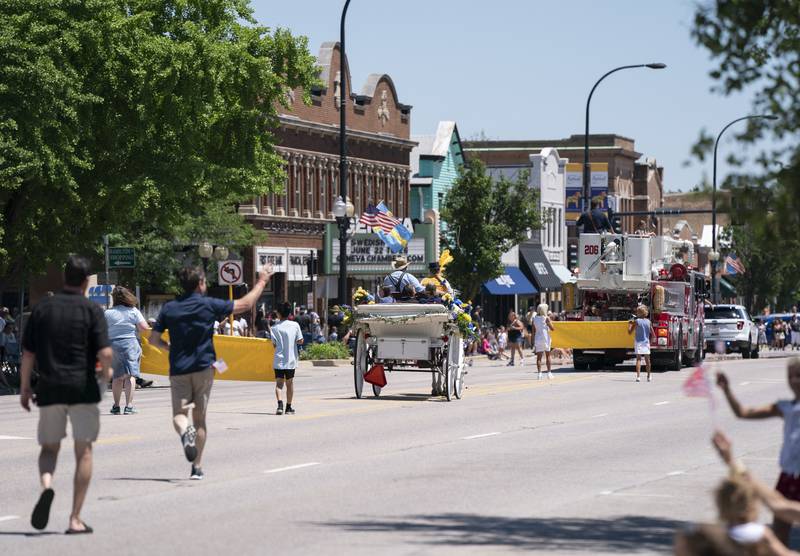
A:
[(114, 112), (757, 46), (485, 218)]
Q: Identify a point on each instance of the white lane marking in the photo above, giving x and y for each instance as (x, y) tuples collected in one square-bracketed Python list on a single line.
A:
[(600, 415), (5, 437), (674, 473), (292, 467), (474, 436), (661, 403), (8, 517), (745, 383), (606, 492)]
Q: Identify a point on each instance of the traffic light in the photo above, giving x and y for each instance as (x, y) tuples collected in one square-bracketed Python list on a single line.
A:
[(616, 221), (572, 256), (311, 265)]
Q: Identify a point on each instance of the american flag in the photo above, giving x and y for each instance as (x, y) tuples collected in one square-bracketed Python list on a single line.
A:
[(370, 217), (733, 265), (386, 221)]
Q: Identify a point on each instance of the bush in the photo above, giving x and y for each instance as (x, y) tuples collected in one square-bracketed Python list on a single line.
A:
[(331, 350)]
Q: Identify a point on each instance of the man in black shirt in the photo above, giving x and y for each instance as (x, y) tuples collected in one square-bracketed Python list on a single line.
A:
[(66, 335), (594, 221)]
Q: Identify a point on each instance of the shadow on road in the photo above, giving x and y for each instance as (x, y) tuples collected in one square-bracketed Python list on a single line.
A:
[(393, 398), (625, 534)]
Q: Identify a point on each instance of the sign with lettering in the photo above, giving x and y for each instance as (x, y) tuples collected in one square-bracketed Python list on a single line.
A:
[(368, 255), (574, 189), (276, 256)]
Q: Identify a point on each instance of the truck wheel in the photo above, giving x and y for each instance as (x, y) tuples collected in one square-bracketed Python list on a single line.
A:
[(580, 365), (746, 350), (754, 353), (677, 359)]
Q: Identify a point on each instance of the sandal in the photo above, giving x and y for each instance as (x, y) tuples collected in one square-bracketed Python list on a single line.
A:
[(41, 512), (85, 531)]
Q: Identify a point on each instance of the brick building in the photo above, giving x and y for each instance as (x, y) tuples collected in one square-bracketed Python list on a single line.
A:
[(617, 152), (648, 193), (378, 144)]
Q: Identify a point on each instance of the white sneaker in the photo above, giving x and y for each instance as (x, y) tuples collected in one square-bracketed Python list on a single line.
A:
[(539, 376), (549, 375), (638, 379)]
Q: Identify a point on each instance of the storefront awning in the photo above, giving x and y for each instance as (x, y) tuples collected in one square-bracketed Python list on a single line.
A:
[(511, 282), (563, 273), (538, 267)]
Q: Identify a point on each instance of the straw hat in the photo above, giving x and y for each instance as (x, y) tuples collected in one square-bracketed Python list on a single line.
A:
[(400, 263)]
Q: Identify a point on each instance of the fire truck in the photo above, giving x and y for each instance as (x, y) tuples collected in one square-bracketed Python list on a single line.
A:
[(616, 273)]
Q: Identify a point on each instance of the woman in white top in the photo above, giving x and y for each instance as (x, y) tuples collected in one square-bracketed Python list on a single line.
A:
[(123, 321), (541, 338)]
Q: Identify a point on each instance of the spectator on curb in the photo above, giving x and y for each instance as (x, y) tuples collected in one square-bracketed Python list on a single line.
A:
[(69, 384)]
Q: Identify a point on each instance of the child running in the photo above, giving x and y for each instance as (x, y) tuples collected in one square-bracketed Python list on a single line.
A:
[(789, 410), (541, 338), (641, 346)]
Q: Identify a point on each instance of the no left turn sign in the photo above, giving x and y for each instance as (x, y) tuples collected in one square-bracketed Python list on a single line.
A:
[(230, 273)]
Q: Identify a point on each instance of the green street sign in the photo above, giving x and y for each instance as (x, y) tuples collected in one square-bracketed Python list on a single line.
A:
[(121, 257)]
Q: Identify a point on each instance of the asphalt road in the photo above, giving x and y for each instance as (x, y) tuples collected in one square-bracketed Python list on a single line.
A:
[(588, 463)]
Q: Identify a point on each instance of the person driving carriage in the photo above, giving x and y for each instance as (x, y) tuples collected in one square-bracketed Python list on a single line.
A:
[(400, 279)]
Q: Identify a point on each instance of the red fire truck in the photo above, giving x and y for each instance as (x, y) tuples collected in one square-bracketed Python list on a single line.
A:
[(616, 273)]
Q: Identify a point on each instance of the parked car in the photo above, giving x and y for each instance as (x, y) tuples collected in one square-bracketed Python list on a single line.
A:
[(731, 328)]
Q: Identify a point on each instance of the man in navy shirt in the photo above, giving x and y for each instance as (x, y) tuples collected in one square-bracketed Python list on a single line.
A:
[(594, 221), (190, 321)]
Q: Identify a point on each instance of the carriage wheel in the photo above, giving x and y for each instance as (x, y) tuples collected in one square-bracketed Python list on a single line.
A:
[(448, 379), (361, 362), (456, 363), (455, 366), (376, 390)]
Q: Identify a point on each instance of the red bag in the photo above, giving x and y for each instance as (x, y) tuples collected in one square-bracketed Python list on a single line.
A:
[(376, 376)]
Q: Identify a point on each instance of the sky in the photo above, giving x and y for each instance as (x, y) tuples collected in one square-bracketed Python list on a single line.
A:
[(522, 69)]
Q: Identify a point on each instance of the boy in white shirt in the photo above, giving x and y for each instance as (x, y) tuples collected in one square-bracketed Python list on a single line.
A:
[(286, 336)]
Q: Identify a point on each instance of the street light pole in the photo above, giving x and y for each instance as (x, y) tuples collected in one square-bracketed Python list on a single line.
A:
[(714, 259), (587, 169), (343, 104)]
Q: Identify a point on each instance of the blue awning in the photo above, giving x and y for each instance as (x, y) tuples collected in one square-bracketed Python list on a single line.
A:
[(511, 282)]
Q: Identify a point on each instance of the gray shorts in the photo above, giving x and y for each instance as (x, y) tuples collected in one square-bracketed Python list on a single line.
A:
[(192, 388), (84, 417)]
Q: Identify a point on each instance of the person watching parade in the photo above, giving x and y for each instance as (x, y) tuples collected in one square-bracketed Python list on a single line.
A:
[(400, 278)]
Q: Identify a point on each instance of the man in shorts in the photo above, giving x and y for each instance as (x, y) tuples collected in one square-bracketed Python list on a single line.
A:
[(192, 359), (66, 336), (286, 336)]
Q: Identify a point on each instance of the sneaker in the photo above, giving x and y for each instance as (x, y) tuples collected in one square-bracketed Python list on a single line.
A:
[(187, 439), (549, 375), (197, 474), (114, 410), (638, 379), (510, 364), (142, 383), (279, 411), (539, 375), (648, 379), (129, 410), (289, 410)]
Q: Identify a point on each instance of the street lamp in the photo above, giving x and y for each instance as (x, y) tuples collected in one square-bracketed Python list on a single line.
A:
[(714, 281), (587, 169), (343, 211), (339, 207)]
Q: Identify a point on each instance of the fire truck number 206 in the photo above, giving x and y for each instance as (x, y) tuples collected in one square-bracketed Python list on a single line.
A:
[(591, 249)]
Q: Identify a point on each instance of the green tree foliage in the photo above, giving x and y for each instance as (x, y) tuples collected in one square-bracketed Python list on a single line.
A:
[(114, 112), (756, 44), (485, 217)]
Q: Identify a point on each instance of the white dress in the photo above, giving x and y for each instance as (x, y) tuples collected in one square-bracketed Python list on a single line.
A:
[(541, 341)]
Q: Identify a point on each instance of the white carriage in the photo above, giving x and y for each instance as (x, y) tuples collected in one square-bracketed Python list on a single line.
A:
[(409, 337)]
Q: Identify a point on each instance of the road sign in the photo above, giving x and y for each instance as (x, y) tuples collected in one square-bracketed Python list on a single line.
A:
[(121, 257), (230, 273)]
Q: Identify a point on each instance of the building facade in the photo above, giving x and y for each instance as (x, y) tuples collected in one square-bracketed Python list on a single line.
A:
[(296, 218), (434, 169)]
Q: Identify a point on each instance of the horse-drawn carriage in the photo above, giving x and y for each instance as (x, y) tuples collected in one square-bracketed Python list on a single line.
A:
[(409, 337)]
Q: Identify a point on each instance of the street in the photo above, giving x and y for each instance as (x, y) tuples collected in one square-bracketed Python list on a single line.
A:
[(589, 462)]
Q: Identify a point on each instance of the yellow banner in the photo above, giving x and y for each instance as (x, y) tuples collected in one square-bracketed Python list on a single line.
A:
[(246, 358), (591, 335)]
